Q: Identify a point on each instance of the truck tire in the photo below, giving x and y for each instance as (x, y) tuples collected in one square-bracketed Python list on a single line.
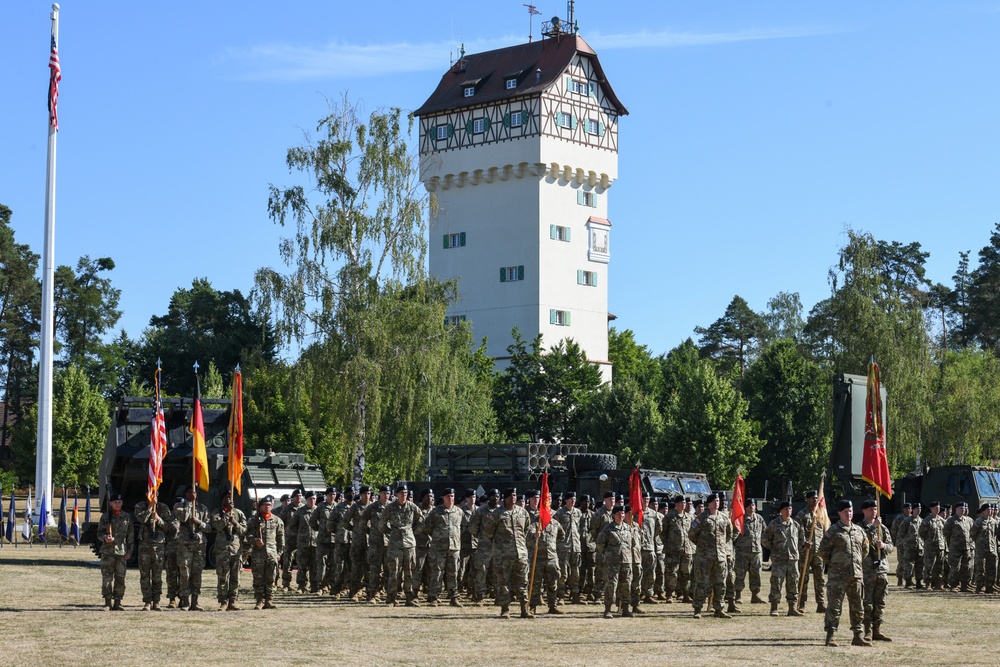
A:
[(585, 462)]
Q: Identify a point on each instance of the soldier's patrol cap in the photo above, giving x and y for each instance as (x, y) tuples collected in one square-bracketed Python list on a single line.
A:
[(812, 494), (493, 493), (698, 502), (645, 494), (907, 506), (711, 497), (609, 494), (679, 499), (509, 492), (569, 494), (265, 499), (784, 504), (749, 501), (296, 492), (366, 489), (584, 497), (424, 493), (617, 509), (868, 504), (448, 492), (469, 493), (310, 494), (934, 503), (117, 496), (384, 489), (844, 505), (531, 493), (401, 488), (984, 507), (961, 504), (284, 497), (331, 489)]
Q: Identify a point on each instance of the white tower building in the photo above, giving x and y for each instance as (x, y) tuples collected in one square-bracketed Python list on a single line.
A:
[(520, 147)]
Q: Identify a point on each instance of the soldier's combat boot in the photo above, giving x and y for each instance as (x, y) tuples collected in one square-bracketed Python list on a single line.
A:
[(774, 609), (194, 604), (919, 585), (554, 609), (183, 603), (577, 599), (868, 632), (107, 604), (687, 599), (756, 599), (820, 607), (739, 597), (412, 602), (172, 604), (259, 605), (899, 581), (732, 608), (697, 613), (636, 609), (118, 605), (626, 612), (222, 606), (877, 633), (146, 606), (908, 583), (648, 599), (721, 614), (793, 610), (155, 606), (829, 638), (859, 640), (504, 611), (607, 611), (232, 606), (524, 610), (268, 604), (455, 602)]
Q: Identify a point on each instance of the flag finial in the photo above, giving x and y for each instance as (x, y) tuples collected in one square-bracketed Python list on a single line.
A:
[(196, 367)]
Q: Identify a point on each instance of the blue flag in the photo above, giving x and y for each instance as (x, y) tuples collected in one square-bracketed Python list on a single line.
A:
[(10, 519), (1, 503), (86, 513), (63, 526), (43, 518)]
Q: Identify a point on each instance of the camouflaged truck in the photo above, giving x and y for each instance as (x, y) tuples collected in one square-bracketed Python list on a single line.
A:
[(125, 464)]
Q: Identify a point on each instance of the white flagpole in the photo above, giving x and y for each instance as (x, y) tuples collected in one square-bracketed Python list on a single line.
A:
[(43, 460)]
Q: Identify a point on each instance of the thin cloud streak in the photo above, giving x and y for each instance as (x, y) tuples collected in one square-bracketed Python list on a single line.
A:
[(338, 60)]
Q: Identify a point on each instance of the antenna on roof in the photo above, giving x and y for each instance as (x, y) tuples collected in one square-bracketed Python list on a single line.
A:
[(532, 13)]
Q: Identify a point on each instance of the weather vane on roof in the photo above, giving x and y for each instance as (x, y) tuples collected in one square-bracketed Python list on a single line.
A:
[(532, 12)]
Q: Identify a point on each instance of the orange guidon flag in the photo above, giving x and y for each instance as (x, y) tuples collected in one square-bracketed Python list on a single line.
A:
[(874, 462), (236, 434), (200, 453), (545, 507)]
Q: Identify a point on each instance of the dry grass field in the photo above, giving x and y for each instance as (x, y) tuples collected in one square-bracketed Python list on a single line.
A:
[(51, 614)]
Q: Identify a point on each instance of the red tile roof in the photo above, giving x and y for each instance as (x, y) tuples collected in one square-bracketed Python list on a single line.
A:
[(489, 72)]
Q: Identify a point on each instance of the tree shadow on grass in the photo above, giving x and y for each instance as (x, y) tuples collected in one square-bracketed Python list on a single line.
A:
[(48, 562)]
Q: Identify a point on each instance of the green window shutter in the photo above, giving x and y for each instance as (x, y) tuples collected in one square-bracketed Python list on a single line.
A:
[(572, 122), (579, 277), (593, 278), (445, 241), (591, 89), (559, 118), (552, 315), (503, 274), (468, 127), (486, 124), (567, 233), (579, 196), (461, 240), (569, 84), (593, 201), (520, 272), (552, 231), (462, 318), (506, 120), (451, 130), (600, 129), (566, 318)]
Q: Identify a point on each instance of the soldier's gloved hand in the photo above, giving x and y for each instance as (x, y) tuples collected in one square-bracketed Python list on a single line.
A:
[(258, 542)]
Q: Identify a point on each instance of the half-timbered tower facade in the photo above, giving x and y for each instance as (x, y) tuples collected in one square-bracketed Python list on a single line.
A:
[(519, 147)]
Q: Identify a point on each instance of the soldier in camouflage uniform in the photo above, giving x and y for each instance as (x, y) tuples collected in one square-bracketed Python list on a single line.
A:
[(570, 550), (266, 534), (932, 533), (170, 561), (650, 530), (482, 563), (984, 534), (695, 509), (784, 538), (843, 549), (588, 549), (635, 587), (343, 532), (422, 567), (543, 548), (677, 551), (730, 558), (444, 526), (748, 552), (230, 526), (876, 571), (957, 534), (398, 522), (469, 544), (907, 509), (192, 522), (910, 548), (291, 539), (658, 549), (614, 545), (602, 517), (814, 538), (305, 553), (320, 522), (508, 531), (155, 523), (117, 539), (358, 556), (371, 521), (712, 534)]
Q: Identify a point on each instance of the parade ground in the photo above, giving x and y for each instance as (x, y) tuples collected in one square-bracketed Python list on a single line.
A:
[(52, 614)]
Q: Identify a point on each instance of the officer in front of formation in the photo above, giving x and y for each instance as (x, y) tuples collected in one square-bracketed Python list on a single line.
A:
[(266, 533), (117, 539), (844, 548)]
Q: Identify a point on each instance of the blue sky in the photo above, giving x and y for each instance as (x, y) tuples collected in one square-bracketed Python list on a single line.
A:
[(757, 132)]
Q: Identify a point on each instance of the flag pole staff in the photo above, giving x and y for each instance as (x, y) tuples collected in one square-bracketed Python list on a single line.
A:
[(43, 462), (538, 537), (194, 459), (812, 535)]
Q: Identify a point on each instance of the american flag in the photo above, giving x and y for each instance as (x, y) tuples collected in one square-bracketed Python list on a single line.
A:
[(157, 445), (55, 76)]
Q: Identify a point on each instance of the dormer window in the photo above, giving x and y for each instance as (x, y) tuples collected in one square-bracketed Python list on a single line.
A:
[(470, 91), (511, 84)]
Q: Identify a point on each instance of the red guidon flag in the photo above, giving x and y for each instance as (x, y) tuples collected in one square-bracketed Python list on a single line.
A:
[(874, 463), (635, 494), (738, 511), (545, 507), (236, 434)]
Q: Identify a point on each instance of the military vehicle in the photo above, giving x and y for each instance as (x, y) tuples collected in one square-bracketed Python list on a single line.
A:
[(125, 464), (570, 466)]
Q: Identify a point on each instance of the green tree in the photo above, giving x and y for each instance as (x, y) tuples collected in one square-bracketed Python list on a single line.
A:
[(86, 307), (984, 296), (80, 422), (966, 410), (623, 420), (706, 423), (629, 360), (734, 339), (789, 398), (517, 391), (783, 317)]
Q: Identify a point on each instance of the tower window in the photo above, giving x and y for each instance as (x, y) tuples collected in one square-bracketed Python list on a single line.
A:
[(559, 233), (565, 120), (453, 320), (479, 125), (594, 127), (588, 278), (559, 317), (470, 91), (586, 198), (454, 240), (516, 118), (510, 274)]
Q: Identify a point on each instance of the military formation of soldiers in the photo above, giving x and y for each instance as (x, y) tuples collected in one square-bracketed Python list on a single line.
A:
[(388, 548)]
